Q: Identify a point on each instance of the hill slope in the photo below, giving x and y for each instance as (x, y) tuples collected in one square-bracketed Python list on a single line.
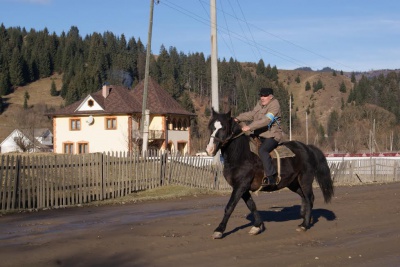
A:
[(39, 93)]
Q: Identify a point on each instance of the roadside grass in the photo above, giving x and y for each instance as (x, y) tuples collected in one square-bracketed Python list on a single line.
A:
[(160, 193)]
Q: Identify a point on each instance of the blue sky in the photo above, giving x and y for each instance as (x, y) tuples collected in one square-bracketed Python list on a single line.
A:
[(348, 35)]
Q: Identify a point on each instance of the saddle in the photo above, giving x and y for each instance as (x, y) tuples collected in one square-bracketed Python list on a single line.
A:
[(281, 151)]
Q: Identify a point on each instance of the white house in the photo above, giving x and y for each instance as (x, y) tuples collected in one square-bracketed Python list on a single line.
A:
[(109, 120), (28, 140)]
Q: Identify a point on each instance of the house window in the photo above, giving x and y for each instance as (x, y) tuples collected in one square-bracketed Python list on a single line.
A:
[(111, 123), (68, 148), (90, 103), (75, 124), (83, 148)]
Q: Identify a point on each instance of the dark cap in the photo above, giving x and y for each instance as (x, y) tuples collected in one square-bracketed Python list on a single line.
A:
[(266, 92)]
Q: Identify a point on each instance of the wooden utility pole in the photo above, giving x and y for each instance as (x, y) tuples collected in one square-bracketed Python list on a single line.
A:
[(290, 118), (144, 125), (214, 57)]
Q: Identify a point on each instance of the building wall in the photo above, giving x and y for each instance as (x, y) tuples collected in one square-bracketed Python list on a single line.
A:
[(179, 137), (99, 139)]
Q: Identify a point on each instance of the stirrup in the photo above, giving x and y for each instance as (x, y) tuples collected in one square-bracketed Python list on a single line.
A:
[(269, 180)]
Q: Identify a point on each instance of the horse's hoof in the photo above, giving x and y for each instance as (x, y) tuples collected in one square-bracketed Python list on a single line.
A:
[(301, 229), (217, 235), (256, 230)]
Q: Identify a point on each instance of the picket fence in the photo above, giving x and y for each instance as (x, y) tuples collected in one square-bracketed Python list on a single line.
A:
[(31, 182), (59, 180)]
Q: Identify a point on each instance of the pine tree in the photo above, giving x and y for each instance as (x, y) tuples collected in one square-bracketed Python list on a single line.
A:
[(343, 88), (26, 98), (260, 70), (5, 84), (53, 89), (308, 86), (17, 68)]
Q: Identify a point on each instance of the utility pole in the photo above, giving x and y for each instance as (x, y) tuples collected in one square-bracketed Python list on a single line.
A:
[(144, 125), (214, 66), (290, 118), (306, 128), (214, 57)]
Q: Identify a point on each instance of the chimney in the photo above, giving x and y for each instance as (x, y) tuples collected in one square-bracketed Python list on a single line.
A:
[(106, 90)]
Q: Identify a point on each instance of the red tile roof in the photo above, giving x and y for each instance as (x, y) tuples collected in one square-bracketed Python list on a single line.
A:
[(158, 99), (121, 100)]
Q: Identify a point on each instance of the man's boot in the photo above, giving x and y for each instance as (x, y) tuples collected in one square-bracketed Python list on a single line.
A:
[(269, 180)]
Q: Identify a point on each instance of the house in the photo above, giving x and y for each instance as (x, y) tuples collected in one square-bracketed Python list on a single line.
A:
[(28, 140), (109, 120)]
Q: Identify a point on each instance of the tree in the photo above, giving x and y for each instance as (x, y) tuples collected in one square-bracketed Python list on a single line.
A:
[(26, 98), (343, 88), (308, 86), (17, 68), (5, 84), (353, 77), (298, 78), (53, 89), (260, 70)]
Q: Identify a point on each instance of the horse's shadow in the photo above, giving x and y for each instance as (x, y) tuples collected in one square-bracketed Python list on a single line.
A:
[(279, 214)]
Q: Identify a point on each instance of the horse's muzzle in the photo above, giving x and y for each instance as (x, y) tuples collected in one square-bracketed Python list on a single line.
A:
[(211, 150)]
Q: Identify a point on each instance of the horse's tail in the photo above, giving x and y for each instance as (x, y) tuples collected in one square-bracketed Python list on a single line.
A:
[(323, 174)]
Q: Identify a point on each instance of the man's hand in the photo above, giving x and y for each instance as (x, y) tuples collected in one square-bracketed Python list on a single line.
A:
[(245, 128)]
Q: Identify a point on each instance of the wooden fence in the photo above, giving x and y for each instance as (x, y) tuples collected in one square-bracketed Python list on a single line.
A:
[(29, 182), (52, 181), (347, 171)]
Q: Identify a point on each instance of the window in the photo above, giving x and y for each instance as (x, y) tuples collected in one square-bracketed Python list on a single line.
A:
[(111, 123), (68, 148), (83, 148), (75, 124), (90, 103)]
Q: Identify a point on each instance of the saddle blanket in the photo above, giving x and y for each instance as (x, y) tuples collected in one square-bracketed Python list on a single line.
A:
[(280, 152)]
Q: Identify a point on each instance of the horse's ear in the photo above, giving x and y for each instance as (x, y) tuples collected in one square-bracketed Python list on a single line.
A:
[(229, 113), (213, 112)]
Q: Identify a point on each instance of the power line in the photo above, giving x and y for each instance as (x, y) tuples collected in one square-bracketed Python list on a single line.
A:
[(243, 38)]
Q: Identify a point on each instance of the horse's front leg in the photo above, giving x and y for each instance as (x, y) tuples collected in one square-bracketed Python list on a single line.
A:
[(230, 207), (258, 225)]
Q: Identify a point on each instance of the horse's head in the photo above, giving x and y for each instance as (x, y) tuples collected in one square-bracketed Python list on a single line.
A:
[(222, 128)]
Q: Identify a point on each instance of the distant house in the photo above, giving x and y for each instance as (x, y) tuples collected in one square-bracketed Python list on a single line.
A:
[(28, 140), (109, 120)]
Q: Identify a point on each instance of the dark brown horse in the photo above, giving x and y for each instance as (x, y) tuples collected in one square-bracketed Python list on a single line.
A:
[(244, 172)]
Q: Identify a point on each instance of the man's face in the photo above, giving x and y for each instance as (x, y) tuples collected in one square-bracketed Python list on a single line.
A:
[(265, 99)]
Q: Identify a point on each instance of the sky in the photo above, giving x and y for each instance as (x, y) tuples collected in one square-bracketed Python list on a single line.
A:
[(347, 35)]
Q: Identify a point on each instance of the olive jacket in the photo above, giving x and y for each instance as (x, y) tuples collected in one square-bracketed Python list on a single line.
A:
[(260, 118)]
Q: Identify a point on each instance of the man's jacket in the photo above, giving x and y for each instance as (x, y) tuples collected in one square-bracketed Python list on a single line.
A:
[(261, 117)]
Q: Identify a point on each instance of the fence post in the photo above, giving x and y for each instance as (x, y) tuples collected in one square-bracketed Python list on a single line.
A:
[(163, 167), (102, 176), (16, 182)]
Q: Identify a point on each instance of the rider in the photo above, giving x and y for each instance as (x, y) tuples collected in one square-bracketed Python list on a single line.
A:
[(265, 122)]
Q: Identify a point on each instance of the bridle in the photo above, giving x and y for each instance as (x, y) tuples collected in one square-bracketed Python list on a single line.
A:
[(231, 137)]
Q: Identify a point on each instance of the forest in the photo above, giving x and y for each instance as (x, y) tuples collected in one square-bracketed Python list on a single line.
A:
[(90, 61)]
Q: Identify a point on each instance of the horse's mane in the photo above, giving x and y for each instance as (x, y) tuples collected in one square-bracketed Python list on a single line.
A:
[(239, 147)]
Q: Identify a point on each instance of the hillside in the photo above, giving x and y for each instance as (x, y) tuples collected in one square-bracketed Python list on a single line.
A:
[(39, 94), (321, 102)]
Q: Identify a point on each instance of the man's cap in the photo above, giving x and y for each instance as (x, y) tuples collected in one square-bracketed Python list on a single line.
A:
[(266, 91)]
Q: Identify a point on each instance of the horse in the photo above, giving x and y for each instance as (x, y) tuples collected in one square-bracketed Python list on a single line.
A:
[(243, 170)]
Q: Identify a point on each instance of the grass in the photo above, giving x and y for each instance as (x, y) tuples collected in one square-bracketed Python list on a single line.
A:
[(160, 193)]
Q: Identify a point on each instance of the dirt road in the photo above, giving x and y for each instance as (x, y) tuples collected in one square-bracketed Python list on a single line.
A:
[(361, 227)]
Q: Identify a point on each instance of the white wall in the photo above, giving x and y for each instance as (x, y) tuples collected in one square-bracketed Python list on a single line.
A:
[(95, 134)]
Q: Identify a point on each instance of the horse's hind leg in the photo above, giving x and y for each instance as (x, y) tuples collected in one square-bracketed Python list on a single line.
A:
[(233, 200), (307, 203), (258, 225)]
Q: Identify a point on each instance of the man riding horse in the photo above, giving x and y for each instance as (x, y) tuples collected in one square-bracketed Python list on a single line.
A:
[(265, 123)]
